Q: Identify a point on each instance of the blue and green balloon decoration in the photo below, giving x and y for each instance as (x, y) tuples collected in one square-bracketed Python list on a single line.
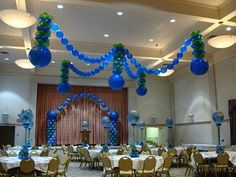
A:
[(105, 124), (113, 116), (26, 118), (142, 127), (51, 128), (218, 118), (64, 87), (119, 56), (169, 122), (133, 118), (199, 66), (40, 55)]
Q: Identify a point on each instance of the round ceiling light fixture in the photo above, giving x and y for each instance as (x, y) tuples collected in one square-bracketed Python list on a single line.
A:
[(167, 73), (17, 18), (24, 63), (222, 41)]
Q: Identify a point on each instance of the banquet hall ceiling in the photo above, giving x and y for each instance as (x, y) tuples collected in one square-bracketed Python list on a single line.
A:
[(85, 23)]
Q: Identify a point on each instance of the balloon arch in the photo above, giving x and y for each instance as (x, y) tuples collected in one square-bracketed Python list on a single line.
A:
[(52, 117)]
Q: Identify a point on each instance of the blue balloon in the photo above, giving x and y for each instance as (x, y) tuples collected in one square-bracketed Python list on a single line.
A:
[(59, 34), (116, 81), (169, 122), (163, 69), (52, 115), (63, 87), (141, 90), (65, 103), (179, 55), (199, 66), (114, 116), (54, 27), (40, 56), (69, 100), (75, 97), (64, 41), (59, 108), (170, 66)]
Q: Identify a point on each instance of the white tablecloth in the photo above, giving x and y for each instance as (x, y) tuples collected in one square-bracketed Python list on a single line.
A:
[(95, 152), (213, 154), (18, 150), (154, 151), (137, 162), (41, 163), (200, 146)]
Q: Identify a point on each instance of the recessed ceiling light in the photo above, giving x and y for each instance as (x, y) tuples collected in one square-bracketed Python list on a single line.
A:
[(228, 28), (151, 40), (6, 59), (106, 35), (172, 20), (1, 47), (88, 64), (71, 62), (60, 6), (120, 13), (53, 61)]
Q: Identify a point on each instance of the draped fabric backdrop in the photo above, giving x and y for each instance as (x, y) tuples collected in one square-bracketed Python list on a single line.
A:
[(69, 122)]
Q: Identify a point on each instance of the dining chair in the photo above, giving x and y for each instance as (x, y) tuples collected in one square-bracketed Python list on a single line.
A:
[(70, 151), (149, 165), (4, 173), (34, 153), (52, 168), (62, 171), (222, 163), (120, 151), (125, 167), (202, 167), (107, 168), (173, 152), (44, 153), (160, 151), (88, 159), (3, 153), (188, 164), (27, 168), (12, 154), (165, 167)]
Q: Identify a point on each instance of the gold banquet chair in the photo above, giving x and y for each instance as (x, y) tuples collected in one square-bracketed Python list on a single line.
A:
[(4, 173), (187, 162), (107, 168), (27, 168), (202, 167), (52, 167), (62, 171), (149, 165), (88, 159), (165, 167), (3, 153), (222, 163), (44, 153), (126, 167)]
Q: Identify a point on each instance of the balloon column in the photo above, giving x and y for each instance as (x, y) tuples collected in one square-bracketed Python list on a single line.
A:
[(85, 126), (26, 117), (218, 118), (51, 128), (133, 118), (52, 116), (169, 125), (142, 127), (105, 123), (119, 56), (114, 116)]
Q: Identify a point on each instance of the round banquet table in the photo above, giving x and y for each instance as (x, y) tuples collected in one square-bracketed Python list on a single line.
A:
[(18, 150), (41, 163), (137, 161), (95, 152)]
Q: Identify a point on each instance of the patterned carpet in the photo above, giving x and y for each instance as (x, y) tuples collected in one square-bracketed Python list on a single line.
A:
[(75, 171)]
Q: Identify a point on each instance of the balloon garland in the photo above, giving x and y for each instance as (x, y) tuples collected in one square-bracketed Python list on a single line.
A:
[(120, 57), (112, 123)]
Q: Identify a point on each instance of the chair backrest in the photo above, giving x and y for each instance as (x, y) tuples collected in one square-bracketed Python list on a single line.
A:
[(160, 151), (120, 151), (35, 148), (223, 158), (63, 158), (70, 149), (27, 166), (34, 153), (144, 147), (198, 158), (125, 164), (172, 151), (149, 163), (189, 150), (53, 165), (3, 153), (44, 153), (168, 161), (67, 164), (2, 171), (12, 154), (185, 157), (86, 154), (105, 161)]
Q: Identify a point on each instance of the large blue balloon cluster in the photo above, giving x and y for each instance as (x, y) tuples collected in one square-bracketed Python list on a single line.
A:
[(199, 65), (114, 116), (51, 128), (85, 126), (169, 122), (24, 152), (40, 55), (218, 118)]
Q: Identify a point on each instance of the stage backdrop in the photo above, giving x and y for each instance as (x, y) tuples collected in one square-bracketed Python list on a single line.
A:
[(69, 125)]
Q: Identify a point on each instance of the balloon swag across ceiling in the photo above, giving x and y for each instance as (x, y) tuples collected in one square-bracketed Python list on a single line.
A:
[(120, 57), (52, 117)]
